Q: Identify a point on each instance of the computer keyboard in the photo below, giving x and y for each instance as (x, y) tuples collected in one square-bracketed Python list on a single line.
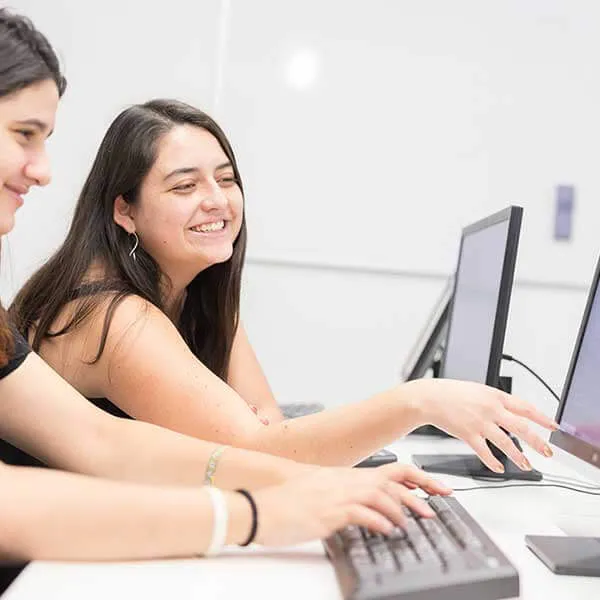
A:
[(447, 557)]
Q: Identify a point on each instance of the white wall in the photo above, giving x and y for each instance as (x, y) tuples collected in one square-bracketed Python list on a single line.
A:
[(115, 53), (368, 134), (422, 116)]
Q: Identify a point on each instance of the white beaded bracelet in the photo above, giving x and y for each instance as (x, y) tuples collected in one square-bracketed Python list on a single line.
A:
[(220, 521)]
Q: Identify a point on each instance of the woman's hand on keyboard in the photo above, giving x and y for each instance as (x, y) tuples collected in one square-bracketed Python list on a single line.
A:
[(475, 413), (413, 478), (318, 504)]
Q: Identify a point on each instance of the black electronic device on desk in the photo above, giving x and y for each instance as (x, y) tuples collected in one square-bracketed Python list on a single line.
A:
[(578, 442), (293, 410), (382, 457), (447, 557), (476, 328), (9, 571)]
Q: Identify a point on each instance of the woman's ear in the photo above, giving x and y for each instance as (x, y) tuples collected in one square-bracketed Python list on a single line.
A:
[(122, 214)]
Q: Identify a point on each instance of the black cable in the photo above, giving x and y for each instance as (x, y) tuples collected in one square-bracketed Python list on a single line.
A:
[(584, 485), (510, 358), (509, 485), (577, 484)]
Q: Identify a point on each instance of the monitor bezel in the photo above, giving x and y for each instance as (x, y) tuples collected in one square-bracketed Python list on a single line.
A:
[(514, 216), (563, 440)]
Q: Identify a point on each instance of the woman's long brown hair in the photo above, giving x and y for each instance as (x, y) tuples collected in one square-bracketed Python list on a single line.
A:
[(210, 313), (26, 58), (6, 339)]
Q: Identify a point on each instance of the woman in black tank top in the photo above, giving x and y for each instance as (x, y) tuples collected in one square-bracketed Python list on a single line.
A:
[(52, 515)]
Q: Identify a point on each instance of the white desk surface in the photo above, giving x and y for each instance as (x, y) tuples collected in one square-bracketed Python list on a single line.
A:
[(304, 571)]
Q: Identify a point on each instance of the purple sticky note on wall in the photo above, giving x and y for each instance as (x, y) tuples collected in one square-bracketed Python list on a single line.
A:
[(565, 205)]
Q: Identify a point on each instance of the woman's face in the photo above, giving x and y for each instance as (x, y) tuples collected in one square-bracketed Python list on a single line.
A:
[(190, 208), (26, 120)]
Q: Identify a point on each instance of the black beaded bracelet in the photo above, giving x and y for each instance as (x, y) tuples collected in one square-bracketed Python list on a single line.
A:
[(254, 527)]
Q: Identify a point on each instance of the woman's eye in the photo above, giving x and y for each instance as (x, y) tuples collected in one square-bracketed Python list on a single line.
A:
[(26, 133), (227, 181), (184, 187)]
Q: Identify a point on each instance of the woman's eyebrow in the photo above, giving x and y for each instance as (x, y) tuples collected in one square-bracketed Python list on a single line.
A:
[(40, 125), (181, 171), (188, 170)]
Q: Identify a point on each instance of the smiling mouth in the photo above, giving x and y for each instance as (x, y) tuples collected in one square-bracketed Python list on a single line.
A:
[(16, 194), (209, 227)]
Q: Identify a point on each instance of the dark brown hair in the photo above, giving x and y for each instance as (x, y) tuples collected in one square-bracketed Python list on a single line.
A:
[(26, 57), (210, 314)]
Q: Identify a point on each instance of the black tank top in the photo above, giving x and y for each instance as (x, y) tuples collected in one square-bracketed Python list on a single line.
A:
[(8, 453), (89, 289), (11, 454), (20, 353)]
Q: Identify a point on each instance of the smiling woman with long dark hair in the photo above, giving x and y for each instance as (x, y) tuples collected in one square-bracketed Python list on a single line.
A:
[(139, 310), (48, 514)]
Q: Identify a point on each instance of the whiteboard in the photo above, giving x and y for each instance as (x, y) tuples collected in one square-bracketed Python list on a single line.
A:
[(413, 120)]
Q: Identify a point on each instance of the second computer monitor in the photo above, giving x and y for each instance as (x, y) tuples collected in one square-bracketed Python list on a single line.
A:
[(578, 442), (477, 324), (579, 412), (479, 309)]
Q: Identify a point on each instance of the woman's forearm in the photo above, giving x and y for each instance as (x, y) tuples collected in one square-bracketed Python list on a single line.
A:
[(340, 436), (84, 518), (43, 415), (160, 456)]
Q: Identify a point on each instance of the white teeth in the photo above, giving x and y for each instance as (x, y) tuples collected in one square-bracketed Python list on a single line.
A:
[(207, 227)]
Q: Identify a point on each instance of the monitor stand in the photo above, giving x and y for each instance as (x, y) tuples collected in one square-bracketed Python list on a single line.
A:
[(471, 466), (467, 465)]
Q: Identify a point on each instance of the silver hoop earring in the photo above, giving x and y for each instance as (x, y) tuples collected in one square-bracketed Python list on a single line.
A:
[(136, 243)]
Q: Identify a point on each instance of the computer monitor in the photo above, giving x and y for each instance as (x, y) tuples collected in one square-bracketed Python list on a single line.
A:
[(577, 442), (578, 438), (426, 352), (477, 325), (479, 311)]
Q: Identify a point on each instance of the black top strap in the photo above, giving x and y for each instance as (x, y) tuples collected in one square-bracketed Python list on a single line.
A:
[(21, 351)]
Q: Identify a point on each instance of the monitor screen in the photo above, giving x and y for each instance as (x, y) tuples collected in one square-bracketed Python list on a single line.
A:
[(580, 416), (480, 304)]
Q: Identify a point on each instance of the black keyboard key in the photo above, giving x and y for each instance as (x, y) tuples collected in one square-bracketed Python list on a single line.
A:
[(406, 557), (360, 558), (350, 536), (452, 521), (384, 558)]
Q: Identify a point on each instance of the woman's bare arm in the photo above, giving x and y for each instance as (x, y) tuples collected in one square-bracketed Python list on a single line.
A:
[(248, 379), (46, 417), (148, 370), (55, 515)]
